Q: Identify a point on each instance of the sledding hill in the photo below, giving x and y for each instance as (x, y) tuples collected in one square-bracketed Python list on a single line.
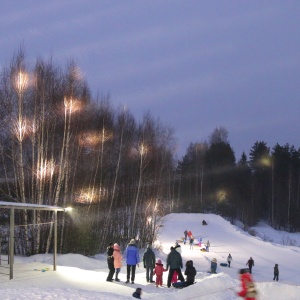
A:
[(224, 239)]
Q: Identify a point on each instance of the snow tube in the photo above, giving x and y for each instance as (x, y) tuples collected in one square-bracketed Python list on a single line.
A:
[(223, 264)]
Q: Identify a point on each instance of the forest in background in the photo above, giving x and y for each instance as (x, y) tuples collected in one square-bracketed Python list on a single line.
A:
[(61, 146)]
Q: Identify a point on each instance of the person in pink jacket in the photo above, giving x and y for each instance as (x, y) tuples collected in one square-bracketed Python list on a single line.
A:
[(158, 271), (117, 260)]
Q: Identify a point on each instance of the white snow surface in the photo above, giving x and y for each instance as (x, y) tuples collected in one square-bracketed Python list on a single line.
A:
[(79, 277)]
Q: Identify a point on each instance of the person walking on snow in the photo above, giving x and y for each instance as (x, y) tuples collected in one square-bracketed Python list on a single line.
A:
[(132, 260), (276, 272), (158, 271), (185, 236), (117, 260), (229, 259), (174, 263), (250, 264), (110, 262), (149, 263)]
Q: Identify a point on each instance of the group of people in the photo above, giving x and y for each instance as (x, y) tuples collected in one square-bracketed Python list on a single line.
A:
[(174, 265), (189, 235), (114, 261), (153, 267)]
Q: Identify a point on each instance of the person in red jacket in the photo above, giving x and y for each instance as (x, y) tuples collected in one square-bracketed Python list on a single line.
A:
[(158, 271), (248, 291)]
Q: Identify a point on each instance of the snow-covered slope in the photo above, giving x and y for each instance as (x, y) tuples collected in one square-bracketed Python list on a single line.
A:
[(79, 277)]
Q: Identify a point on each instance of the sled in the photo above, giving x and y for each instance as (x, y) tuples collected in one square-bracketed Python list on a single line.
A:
[(203, 250), (223, 264)]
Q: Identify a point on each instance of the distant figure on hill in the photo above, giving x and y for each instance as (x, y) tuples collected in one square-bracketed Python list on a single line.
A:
[(213, 266), (229, 259), (276, 272), (185, 236), (207, 246), (191, 243), (204, 222), (250, 264)]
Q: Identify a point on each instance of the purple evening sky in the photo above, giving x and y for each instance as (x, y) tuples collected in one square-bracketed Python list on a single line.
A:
[(195, 65)]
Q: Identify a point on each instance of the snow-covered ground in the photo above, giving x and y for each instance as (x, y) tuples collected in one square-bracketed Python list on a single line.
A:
[(78, 277)]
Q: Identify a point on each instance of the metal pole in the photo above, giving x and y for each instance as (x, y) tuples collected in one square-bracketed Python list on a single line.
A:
[(55, 241), (11, 242)]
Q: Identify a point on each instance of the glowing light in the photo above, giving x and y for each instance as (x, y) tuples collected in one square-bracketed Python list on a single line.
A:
[(46, 169), (142, 149), (20, 129), (93, 138), (149, 220), (68, 209), (72, 105), (87, 196), (266, 161), (221, 195), (21, 81)]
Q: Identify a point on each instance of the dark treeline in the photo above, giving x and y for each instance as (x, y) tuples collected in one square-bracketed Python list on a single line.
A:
[(264, 187), (60, 146)]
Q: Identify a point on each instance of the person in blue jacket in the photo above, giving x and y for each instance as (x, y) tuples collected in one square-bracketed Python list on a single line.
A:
[(132, 259)]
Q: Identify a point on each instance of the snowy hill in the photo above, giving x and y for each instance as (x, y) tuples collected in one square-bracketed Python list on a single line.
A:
[(79, 277)]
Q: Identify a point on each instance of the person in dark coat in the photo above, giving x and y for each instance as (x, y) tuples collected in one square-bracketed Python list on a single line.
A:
[(137, 294), (250, 264), (174, 262), (110, 262), (276, 272), (149, 263), (190, 273), (132, 259), (185, 236), (229, 259)]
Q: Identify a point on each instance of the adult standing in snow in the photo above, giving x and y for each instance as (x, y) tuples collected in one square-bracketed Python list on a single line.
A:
[(174, 262), (149, 263), (185, 236), (132, 260), (248, 291), (177, 247), (250, 264), (229, 259), (117, 261), (110, 262), (276, 272)]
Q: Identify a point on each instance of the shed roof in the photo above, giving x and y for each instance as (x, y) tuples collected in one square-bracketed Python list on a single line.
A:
[(21, 205)]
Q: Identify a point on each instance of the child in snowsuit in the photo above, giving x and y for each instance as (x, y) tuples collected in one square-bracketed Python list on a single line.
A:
[(158, 271), (117, 260), (213, 266), (174, 277), (276, 272), (248, 291)]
